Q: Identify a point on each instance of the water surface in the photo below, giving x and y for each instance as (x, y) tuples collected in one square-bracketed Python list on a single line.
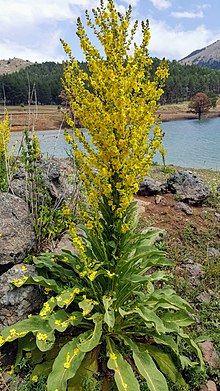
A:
[(189, 143)]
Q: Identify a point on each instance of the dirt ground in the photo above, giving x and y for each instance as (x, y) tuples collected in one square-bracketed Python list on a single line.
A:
[(51, 117)]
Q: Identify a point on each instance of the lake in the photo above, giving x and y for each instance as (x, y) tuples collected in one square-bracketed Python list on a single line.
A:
[(189, 143)]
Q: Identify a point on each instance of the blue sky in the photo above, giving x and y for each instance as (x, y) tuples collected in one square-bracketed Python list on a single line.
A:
[(31, 29)]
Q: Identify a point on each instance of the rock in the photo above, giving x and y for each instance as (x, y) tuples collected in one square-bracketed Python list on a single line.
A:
[(189, 187), (51, 171), (209, 386), (192, 271), (213, 252), (17, 236), (65, 243), (209, 353), (141, 205), (158, 199), (218, 216), (184, 208), (149, 187), (205, 297), (17, 303)]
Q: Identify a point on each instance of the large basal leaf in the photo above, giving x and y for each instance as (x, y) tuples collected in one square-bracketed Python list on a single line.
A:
[(166, 340), (148, 369), (65, 365), (44, 282), (87, 369), (109, 316), (123, 373), (166, 364), (23, 327), (94, 337), (150, 317), (181, 318)]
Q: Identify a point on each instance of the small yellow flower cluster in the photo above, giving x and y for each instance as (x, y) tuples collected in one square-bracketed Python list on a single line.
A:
[(13, 334), (48, 307), (42, 336), (20, 281), (66, 210), (113, 356), (34, 378)]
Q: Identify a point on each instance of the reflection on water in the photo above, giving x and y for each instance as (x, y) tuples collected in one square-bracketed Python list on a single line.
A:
[(189, 143)]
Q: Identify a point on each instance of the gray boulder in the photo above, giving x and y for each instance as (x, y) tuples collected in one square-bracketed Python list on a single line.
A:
[(149, 187), (17, 236), (51, 171), (17, 303), (191, 188)]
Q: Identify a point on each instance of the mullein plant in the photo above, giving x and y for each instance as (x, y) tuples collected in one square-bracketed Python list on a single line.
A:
[(110, 317), (4, 157)]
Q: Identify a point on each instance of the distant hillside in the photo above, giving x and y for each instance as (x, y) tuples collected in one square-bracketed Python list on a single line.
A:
[(206, 57), (13, 65)]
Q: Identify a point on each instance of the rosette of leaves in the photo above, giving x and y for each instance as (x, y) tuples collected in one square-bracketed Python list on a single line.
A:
[(120, 325)]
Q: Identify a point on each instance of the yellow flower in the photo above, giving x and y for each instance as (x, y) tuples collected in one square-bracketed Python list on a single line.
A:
[(34, 378), (11, 370), (66, 365), (89, 224), (92, 275), (124, 228), (42, 336), (110, 275), (113, 356), (2, 341), (24, 268), (28, 355)]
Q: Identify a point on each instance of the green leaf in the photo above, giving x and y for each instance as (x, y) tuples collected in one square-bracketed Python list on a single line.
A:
[(45, 282), (58, 321), (45, 339), (165, 364), (87, 369), (42, 369), (123, 374), (93, 339), (109, 316), (148, 369), (23, 327), (151, 317), (166, 340), (181, 318), (65, 365)]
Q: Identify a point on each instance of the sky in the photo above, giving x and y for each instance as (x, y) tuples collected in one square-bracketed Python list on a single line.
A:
[(31, 29)]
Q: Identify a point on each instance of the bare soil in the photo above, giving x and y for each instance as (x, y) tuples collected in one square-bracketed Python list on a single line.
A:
[(51, 117)]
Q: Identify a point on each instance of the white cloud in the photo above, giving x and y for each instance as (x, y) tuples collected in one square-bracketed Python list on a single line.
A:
[(31, 29), (161, 4), (176, 43), (189, 15), (131, 2)]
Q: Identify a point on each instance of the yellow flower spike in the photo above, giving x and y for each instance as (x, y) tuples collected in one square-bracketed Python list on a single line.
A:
[(114, 110)]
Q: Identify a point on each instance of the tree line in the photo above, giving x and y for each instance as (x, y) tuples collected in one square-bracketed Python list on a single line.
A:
[(41, 83)]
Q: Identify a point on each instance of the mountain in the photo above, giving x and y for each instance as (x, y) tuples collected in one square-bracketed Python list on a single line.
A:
[(13, 65), (206, 57)]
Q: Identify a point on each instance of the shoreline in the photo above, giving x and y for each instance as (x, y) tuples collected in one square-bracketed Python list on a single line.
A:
[(51, 118)]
